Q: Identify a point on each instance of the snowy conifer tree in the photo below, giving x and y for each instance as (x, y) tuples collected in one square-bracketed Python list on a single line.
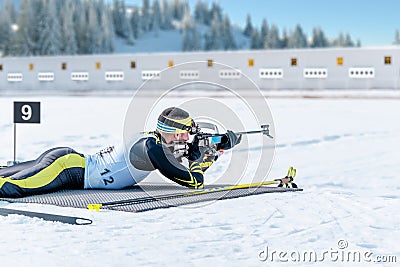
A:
[(108, 31), (298, 39), (347, 41), (213, 39), (82, 27), (228, 41), (248, 29), (27, 36), (68, 36), (272, 41), (318, 38), (201, 12), (117, 18), (156, 17), (397, 38), (145, 16), (134, 21), (166, 16), (10, 10), (120, 20), (264, 32), (339, 41), (191, 39), (216, 11), (284, 40), (49, 42), (178, 9), (255, 39), (5, 32), (94, 36)]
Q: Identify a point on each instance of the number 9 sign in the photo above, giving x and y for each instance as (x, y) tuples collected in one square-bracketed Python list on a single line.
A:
[(26, 112)]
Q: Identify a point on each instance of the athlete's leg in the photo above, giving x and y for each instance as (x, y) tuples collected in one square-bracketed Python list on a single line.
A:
[(8, 171), (59, 168)]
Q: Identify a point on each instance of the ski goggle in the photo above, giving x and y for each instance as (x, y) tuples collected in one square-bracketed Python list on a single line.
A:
[(168, 125)]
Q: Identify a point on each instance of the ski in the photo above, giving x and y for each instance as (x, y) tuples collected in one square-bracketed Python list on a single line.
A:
[(47, 216), (98, 206)]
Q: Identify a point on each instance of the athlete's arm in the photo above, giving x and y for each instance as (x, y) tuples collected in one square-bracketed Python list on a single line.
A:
[(163, 160)]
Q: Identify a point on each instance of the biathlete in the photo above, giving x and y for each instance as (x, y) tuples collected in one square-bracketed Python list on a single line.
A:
[(64, 168)]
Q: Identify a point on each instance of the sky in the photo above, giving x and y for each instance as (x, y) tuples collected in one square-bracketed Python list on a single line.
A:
[(373, 22)]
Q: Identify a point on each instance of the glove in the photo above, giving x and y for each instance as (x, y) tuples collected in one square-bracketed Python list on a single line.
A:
[(229, 140), (208, 157), (194, 150)]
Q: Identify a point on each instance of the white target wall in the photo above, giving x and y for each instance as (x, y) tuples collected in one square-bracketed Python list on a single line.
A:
[(341, 68)]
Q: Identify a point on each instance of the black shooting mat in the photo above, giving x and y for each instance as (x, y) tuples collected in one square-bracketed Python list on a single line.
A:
[(169, 196)]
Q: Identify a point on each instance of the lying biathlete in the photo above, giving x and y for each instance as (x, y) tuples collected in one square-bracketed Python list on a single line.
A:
[(64, 168)]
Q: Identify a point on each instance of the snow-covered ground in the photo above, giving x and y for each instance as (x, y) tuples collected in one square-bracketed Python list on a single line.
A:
[(166, 41), (346, 152)]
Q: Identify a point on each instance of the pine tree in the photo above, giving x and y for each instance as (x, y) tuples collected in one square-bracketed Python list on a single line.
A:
[(121, 24), (68, 36), (5, 32), (284, 40), (166, 16), (201, 12), (255, 39), (93, 32), (216, 11), (264, 32), (82, 27), (145, 16), (178, 9), (298, 38), (339, 41), (212, 38), (117, 18), (318, 38), (272, 41), (134, 21), (248, 29), (27, 35), (10, 10), (108, 30), (156, 17), (50, 35), (190, 40), (347, 41), (228, 40), (397, 38)]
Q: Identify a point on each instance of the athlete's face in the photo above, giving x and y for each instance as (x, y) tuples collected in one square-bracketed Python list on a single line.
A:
[(181, 136)]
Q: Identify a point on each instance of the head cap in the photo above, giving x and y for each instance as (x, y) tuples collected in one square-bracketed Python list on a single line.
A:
[(174, 120)]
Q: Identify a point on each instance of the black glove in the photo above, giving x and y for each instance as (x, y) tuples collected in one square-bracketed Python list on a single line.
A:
[(229, 140), (194, 150), (208, 156)]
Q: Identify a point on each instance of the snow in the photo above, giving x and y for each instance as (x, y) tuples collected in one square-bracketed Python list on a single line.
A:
[(162, 41), (345, 149), (169, 41)]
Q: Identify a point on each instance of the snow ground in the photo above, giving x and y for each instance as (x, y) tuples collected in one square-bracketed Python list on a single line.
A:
[(346, 152)]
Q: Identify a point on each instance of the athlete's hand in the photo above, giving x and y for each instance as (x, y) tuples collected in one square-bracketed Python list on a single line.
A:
[(209, 156), (194, 151), (229, 140)]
